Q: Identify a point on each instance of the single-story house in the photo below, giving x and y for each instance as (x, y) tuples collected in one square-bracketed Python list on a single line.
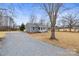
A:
[(36, 27)]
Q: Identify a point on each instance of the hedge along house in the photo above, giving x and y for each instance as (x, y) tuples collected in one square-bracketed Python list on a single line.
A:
[(35, 27)]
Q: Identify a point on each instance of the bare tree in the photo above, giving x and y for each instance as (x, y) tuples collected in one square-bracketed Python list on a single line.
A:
[(42, 21), (8, 11), (64, 24), (1, 12), (52, 10), (33, 18), (70, 20), (11, 10), (58, 25)]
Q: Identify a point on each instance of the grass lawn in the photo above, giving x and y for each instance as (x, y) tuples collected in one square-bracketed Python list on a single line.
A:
[(2, 35), (65, 39)]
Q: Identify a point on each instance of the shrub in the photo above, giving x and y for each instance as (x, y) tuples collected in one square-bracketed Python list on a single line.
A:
[(22, 27)]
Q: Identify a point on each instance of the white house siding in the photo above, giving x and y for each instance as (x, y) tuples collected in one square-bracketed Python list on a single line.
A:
[(27, 28)]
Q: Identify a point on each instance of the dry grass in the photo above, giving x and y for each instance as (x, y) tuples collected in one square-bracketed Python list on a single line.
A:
[(2, 35), (65, 39)]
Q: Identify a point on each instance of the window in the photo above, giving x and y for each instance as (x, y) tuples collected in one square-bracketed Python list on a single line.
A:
[(33, 28), (39, 28)]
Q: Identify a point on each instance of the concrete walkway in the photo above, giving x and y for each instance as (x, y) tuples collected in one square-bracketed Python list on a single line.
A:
[(20, 44)]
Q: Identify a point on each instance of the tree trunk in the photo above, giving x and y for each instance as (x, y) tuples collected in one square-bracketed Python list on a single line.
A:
[(53, 22), (70, 29), (52, 32)]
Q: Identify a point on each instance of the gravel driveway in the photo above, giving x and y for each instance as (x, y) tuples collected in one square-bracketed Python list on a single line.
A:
[(20, 44)]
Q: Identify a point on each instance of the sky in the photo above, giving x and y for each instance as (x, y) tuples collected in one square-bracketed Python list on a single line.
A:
[(22, 11)]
